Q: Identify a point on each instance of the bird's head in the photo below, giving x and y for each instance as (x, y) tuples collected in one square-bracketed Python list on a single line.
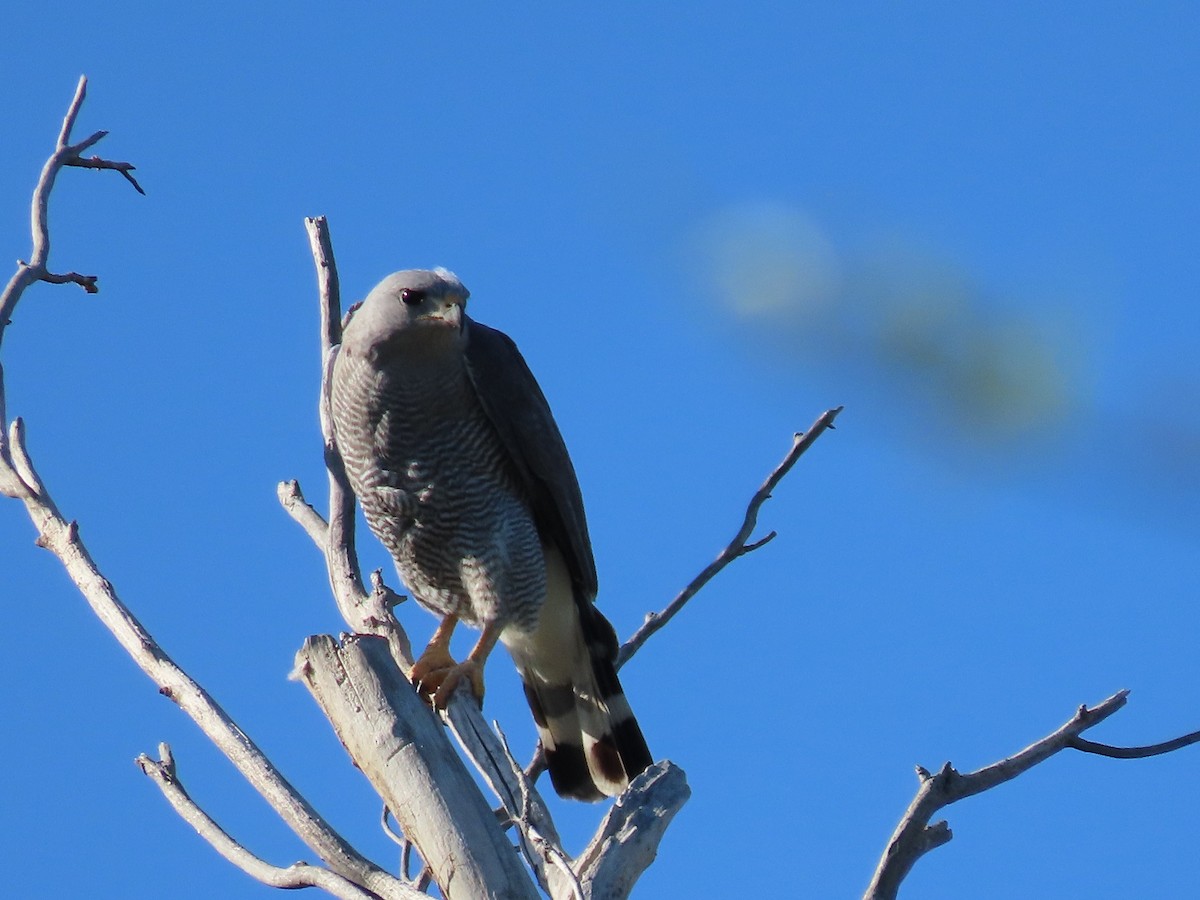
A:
[(415, 303)]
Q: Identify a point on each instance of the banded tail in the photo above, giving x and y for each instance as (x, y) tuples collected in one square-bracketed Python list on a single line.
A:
[(594, 745)]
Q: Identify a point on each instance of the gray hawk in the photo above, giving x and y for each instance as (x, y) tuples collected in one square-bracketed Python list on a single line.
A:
[(461, 472)]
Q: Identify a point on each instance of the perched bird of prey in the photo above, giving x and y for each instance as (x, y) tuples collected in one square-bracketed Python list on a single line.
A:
[(462, 474)]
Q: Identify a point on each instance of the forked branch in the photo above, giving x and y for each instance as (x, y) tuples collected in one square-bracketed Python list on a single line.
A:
[(915, 836), (65, 154)]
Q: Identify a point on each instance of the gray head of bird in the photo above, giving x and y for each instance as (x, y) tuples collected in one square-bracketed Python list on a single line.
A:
[(421, 304)]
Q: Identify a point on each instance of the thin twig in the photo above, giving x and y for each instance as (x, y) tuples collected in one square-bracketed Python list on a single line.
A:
[(302, 511), (405, 857), (423, 879), (95, 162), (406, 848), (396, 838), (329, 288), (739, 546), (344, 572), (17, 477), (1086, 746), (65, 154), (298, 875)]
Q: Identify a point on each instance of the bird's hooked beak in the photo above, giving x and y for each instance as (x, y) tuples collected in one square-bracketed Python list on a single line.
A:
[(448, 310), (452, 309)]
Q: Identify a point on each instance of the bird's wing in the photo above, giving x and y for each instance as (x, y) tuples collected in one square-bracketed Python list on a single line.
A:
[(514, 403)]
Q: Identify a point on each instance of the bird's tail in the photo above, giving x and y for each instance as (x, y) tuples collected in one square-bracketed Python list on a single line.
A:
[(593, 743)]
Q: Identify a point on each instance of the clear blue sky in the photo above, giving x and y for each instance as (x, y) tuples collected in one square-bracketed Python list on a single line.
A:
[(975, 228)]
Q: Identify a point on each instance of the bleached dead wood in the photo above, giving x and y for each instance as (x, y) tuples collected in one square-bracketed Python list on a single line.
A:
[(628, 838), (400, 746), (297, 875)]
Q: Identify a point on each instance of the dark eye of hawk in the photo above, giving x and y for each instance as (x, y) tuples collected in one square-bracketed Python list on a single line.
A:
[(412, 296)]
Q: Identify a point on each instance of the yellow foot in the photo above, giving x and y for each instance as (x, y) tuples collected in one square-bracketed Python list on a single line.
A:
[(431, 669), (450, 679)]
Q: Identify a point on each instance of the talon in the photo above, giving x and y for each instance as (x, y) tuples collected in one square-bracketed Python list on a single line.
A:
[(436, 674), (431, 670), (451, 678)]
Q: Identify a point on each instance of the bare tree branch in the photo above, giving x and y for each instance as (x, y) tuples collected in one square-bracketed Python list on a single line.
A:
[(19, 479), (95, 162), (739, 546), (627, 841), (62, 539), (303, 512), (914, 836), (65, 154), (1086, 746), (298, 875)]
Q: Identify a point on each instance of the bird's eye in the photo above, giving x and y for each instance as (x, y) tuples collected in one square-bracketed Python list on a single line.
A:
[(412, 296)]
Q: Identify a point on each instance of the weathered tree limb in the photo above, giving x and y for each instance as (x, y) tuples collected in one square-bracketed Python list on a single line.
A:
[(594, 870), (739, 546), (914, 836), (62, 539), (298, 875), (628, 838), (19, 479), (397, 742), (95, 162), (517, 794), (65, 153)]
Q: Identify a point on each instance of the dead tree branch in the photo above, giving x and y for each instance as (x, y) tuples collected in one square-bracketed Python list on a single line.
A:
[(628, 838), (95, 162), (397, 742), (739, 546), (65, 154), (19, 479), (544, 853), (914, 836), (1086, 746), (298, 875)]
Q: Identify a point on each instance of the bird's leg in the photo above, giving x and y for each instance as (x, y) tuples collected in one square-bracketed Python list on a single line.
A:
[(435, 661), (470, 668)]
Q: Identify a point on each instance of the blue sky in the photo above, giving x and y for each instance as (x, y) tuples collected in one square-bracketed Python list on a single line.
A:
[(972, 227)]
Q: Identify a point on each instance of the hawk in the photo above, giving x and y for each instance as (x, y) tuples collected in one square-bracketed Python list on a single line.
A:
[(463, 476)]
